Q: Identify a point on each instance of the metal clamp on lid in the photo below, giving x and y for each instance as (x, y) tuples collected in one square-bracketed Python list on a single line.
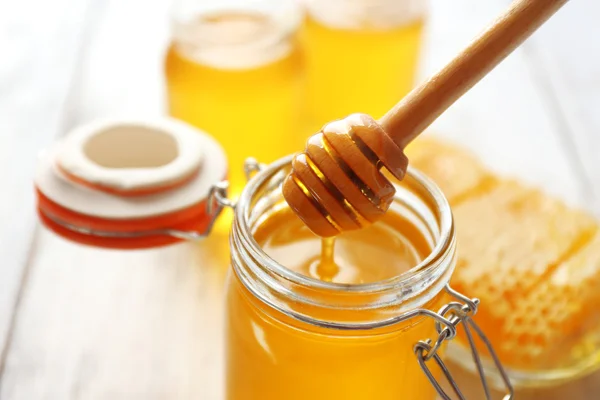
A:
[(447, 321), (132, 184)]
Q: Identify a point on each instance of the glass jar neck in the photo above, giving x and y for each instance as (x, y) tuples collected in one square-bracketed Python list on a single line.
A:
[(336, 305), (235, 35), (366, 14)]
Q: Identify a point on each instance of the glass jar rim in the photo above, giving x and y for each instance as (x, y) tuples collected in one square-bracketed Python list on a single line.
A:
[(372, 14), (211, 44), (422, 271), (288, 14)]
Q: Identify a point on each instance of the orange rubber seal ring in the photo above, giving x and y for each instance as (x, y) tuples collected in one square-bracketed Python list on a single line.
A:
[(193, 218)]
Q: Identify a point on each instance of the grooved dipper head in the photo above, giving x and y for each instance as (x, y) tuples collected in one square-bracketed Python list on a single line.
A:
[(336, 183)]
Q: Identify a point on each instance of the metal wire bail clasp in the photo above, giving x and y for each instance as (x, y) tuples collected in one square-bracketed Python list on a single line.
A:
[(217, 195), (454, 314), (251, 167), (217, 199)]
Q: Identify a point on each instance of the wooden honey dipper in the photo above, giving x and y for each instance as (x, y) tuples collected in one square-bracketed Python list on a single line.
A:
[(337, 185)]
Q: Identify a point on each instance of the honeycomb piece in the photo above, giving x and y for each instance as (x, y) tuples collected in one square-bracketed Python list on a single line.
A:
[(511, 237), (540, 324), (533, 262), (492, 311), (456, 171), (547, 323)]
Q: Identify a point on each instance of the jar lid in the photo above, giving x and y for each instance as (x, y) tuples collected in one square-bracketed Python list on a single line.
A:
[(130, 183)]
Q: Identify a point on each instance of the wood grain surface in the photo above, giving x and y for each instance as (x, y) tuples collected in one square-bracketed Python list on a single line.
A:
[(81, 323)]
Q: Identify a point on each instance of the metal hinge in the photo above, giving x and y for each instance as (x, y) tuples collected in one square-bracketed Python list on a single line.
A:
[(455, 314)]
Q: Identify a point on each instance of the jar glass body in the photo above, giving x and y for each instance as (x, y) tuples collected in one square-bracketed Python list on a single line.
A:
[(361, 55), (295, 337), (234, 69)]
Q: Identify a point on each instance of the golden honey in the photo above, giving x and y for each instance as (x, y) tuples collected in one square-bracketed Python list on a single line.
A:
[(532, 261), (360, 56), (367, 255), (236, 75), (304, 317)]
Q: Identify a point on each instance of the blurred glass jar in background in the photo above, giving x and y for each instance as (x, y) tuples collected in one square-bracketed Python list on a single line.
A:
[(233, 69), (361, 55)]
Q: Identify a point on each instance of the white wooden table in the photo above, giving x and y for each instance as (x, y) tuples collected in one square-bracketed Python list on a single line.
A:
[(77, 323)]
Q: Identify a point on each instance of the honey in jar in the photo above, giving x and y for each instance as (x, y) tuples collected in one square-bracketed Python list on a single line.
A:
[(234, 72), (305, 322), (369, 255), (361, 56)]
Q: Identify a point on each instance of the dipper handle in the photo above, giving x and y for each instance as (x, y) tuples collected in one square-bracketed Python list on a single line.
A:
[(337, 185), (425, 103)]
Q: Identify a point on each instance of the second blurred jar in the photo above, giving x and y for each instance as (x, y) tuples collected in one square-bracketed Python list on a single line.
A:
[(233, 69), (361, 54)]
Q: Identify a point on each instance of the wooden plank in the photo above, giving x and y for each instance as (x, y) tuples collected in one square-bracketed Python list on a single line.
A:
[(122, 74), (41, 43), (131, 325), (98, 324), (504, 118), (566, 57)]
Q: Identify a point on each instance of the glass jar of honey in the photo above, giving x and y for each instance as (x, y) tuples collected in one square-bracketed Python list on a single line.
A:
[(361, 55), (362, 322), (233, 69)]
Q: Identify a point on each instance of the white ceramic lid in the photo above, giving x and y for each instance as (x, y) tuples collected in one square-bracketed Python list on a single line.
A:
[(131, 169)]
